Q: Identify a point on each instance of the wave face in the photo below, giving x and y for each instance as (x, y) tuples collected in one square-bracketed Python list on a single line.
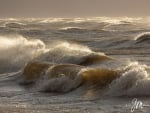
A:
[(66, 77), (130, 80), (81, 56)]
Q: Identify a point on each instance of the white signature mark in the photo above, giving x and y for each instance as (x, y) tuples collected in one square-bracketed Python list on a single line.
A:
[(137, 104)]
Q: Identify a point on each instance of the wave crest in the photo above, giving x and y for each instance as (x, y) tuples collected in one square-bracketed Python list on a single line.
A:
[(65, 52), (17, 50), (134, 81), (144, 37), (131, 80)]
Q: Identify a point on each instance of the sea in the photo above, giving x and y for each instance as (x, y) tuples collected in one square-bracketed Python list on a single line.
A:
[(75, 65)]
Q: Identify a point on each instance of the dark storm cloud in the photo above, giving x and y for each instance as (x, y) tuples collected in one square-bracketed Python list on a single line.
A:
[(73, 8)]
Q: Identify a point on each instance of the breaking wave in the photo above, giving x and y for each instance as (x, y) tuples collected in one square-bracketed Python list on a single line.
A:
[(15, 25), (130, 80), (64, 52), (71, 28), (143, 37), (135, 81), (16, 51), (66, 77), (47, 64)]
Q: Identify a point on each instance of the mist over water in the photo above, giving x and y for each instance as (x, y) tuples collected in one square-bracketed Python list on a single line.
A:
[(80, 62)]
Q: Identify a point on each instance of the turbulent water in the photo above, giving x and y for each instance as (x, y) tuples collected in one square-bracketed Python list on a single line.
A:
[(74, 65)]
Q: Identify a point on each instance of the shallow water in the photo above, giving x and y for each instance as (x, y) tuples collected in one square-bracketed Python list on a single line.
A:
[(74, 65)]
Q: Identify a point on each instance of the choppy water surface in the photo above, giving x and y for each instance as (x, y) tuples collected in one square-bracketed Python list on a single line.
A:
[(74, 65)]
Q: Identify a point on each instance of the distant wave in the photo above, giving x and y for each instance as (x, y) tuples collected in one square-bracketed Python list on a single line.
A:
[(15, 25), (142, 40), (143, 37), (73, 29), (115, 20), (123, 26), (80, 30)]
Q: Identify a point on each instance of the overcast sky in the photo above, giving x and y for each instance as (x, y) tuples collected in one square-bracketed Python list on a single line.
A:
[(73, 8)]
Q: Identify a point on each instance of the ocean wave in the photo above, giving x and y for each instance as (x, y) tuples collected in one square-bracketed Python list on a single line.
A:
[(141, 40), (62, 66), (73, 29), (143, 37), (33, 70), (87, 30), (51, 20), (16, 50), (120, 27), (52, 77), (115, 20), (134, 81), (15, 25), (131, 80), (66, 77), (65, 52)]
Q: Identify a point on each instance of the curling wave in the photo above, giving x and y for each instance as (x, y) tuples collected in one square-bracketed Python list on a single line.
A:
[(66, 77), (144, 37), (131, 80), (64, 52)]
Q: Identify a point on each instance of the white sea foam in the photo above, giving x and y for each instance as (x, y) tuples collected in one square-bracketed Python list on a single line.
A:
[(17, 50), (134, 81)]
